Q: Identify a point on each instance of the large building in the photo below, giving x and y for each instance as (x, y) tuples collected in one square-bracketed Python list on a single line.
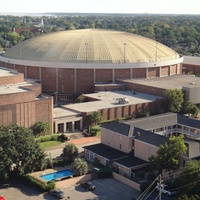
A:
[(69, 63), (22, 102)]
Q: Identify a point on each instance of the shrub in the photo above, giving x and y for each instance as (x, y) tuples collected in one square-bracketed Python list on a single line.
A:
[(44, 187), (94, 130), (105, 173), (59, 163), (62, 138), (53, 137)]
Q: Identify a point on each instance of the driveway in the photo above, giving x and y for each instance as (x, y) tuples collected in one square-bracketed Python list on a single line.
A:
[(106, 189)]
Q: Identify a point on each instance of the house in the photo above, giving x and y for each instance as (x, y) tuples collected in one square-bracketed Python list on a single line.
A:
[(127, 145)]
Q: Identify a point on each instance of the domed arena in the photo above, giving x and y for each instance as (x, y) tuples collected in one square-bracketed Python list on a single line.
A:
[(69, 63)]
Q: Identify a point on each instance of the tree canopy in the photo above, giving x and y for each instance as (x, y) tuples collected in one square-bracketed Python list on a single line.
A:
[(79, 166), (41, 128), (70, 151), (168, 155), (19, 153), (174, 100), (189, 180), (191, 109), (95, 118)]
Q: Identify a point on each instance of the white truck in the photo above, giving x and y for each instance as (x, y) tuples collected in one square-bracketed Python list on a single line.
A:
[(165, 189)]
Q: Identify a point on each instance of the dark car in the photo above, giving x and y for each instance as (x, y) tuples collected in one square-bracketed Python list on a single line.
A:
[(58, 193), (88, 185)]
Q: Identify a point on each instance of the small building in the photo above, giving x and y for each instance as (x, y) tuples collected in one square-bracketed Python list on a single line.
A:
[(127, 145)]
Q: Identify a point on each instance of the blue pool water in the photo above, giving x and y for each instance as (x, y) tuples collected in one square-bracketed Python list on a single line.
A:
[(57, 175)]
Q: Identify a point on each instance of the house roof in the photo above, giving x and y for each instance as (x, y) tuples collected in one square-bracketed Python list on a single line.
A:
[(149, 137), (127, 160), (117, 127), (131, 161), (184, 120), (163, 120), (155, 121), (105, 151)]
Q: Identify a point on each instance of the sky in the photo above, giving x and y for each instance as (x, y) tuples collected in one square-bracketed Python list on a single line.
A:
[(101, 6)]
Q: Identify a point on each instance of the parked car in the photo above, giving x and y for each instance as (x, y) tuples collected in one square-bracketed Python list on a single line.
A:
[(165, 190), (58, 193), (88, 185)]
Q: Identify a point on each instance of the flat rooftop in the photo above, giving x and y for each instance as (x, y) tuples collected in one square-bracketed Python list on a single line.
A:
[(62, 112), (6, 72), (169, 82), (107, 99), (193, 60), (14, 88)]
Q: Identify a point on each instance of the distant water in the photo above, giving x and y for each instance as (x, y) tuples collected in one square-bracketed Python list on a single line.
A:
[(27, 14)]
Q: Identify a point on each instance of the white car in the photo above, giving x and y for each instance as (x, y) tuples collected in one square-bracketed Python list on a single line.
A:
[(165, 189)]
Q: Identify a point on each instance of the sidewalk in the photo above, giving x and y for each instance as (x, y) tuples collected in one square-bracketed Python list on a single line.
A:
[(84, 140)]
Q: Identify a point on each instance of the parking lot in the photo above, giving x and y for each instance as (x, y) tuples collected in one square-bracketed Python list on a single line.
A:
[(106, 189)]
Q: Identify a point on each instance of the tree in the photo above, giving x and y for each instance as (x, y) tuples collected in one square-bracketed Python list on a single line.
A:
[(174, 100), (79, 166), (41, 128), (70, 152), (191, 109), (190, 178), (168, 155), (95, 118), (19, 153)]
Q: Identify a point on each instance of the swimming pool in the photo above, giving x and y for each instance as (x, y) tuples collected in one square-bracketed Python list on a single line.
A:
[(57, 175)]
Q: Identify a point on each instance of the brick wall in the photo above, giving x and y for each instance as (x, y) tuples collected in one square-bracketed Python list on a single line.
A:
[(153, 72), (17, 78), (146, 89), (103, 75), (49, 80), (110, 87), (20, 68), (139, 73), (15, 98), (66, 79), (33, 72), (191, 68), (122, 74), (46, 106), (164, 71), (85, 81)]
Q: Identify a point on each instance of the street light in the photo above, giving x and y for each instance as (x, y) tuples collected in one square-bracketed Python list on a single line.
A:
[(156, 52), (86, 44), (124, 52)]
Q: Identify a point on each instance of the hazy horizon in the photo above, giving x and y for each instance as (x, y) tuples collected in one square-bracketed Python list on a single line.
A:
[(189, 7)]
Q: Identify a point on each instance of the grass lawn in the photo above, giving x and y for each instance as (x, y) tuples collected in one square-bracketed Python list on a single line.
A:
[(48, 144)]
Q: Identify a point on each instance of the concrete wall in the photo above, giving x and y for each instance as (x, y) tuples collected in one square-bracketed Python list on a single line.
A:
[(126, 181), (116, 141), (144, 150)]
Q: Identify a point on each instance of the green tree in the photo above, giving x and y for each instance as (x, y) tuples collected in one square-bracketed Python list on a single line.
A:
[(191, 109), (168, 155), (80, 98), (79, 166), (41, 128), (95, 118), (70, 151), (190, 178), (19, 153), (174, 100)]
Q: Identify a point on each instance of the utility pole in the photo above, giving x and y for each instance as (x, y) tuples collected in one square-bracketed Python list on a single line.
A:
[(160, 188)]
